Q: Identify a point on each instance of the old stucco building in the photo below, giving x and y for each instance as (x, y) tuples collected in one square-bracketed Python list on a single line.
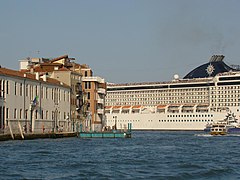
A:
[(88, 92), (33, 103)]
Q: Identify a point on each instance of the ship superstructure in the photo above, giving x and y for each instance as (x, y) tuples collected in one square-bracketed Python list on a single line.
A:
[(204, 95)]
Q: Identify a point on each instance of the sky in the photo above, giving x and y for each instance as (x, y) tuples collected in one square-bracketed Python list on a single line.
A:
[(122, 40)]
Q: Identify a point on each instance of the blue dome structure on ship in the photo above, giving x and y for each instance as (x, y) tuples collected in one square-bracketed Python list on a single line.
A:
[(210, 69)]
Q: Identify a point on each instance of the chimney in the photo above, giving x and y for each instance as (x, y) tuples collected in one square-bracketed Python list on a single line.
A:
[(37, 75), (44, 77), (220, 58), (216, 58)]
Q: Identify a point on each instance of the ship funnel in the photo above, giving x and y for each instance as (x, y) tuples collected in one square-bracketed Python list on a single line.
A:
[(216, 58)]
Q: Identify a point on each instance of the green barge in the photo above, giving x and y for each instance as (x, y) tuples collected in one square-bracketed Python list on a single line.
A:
[(107, 134)]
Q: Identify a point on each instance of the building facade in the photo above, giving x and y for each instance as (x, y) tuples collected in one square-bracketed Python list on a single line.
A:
[(95, 91), (33, 103), (87, 92)]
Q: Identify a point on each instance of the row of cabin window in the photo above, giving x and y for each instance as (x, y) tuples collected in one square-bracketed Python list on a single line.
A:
[(197, 115), (164, 120)]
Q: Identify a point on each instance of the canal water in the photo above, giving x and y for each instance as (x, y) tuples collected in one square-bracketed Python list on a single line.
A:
[(147, 155)]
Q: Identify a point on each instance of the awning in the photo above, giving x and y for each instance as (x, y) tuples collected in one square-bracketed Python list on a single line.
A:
[(126, 107), (108, 107), (117, 107), (174, 105), (136, 107), (202, 105), (188, 106), (161, 106)]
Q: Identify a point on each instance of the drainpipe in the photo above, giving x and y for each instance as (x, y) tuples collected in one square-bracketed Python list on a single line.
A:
[(24, 103)]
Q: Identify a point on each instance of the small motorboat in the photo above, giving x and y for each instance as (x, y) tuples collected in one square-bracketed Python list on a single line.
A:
[(207, 127), (229, 125), (218, 129)]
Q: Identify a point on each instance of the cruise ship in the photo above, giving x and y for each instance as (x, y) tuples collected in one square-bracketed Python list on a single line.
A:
[(205, 95)]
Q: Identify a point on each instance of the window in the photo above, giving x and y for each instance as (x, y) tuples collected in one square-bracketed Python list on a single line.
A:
[(20, 89), (52, 93), (7, 88), (30, 91), (15, 89), (26, 91), (41, 93), (59, 114), (15, 113), (1, 90), (1, 115), (52, 115), (86, 74), (20, 114), (36, 91), (59, 94), (7, 113), (36, 114), (46, 95), (42, 115), (26, 114), (88, 95)]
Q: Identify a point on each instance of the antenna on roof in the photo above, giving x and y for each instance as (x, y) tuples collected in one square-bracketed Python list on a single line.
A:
[(236, 67)]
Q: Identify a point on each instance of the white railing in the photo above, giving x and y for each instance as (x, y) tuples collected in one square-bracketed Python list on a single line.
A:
[(101, 91), (100, 111), (96, 78), (100, 101)]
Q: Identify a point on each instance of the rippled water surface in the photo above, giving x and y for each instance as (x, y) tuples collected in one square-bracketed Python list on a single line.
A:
[(147, 155)]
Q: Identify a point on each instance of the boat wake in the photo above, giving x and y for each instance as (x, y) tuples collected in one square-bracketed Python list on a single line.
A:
[(209, 135), (203, 135)]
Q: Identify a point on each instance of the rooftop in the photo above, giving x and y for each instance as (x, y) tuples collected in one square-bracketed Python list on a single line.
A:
[(13, 73)]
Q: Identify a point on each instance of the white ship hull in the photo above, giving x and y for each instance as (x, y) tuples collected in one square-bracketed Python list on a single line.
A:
[(164, 121)]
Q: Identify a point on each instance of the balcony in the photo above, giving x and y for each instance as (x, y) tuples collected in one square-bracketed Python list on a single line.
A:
[(101, 91), (79, 96), (100, 101), (100, 111), (90, 79), (78, 108)]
